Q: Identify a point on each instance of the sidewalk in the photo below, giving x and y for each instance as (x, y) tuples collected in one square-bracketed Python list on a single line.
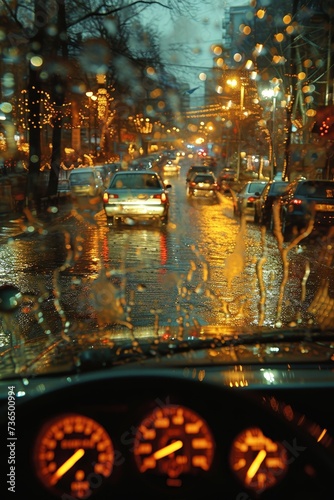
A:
[(14, 223)]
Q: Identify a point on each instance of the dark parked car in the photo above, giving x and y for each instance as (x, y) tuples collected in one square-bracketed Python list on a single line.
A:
[(226, 178), (196, 169), (307, 205), (245, 199), (264, 204), (202, 185), (137, 195)]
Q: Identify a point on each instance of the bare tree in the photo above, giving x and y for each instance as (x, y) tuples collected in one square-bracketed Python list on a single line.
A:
[(49, 41)]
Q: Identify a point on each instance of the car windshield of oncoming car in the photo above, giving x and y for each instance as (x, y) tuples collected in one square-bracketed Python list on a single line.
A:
[(91, 86)]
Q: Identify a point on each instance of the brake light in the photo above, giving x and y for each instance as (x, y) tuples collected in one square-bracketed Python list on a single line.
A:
[(162, 197), (294, 203), (107, 197), (192, 184), (252, 198)]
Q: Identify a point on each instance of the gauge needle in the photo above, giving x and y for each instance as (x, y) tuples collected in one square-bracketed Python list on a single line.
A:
[(254, 467), (67, 465), (167, 450)]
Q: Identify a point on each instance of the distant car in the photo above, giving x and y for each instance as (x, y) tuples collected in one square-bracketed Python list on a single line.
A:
[(228, 174), (113, 167), (85, 181), (202, 185), (140, 164), (211, 162), (195, 169), (135, 196), (306, 202), (263, 206), (105, 172), (225, 178), (245, 199), (171, 167)]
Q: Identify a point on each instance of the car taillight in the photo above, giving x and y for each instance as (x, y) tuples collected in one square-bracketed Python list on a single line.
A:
[(251, 199), (107, 197), (294, 203), (192, 184), (162, 197)]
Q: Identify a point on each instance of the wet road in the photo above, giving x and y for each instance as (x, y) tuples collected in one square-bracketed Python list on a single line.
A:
[(205, 267)]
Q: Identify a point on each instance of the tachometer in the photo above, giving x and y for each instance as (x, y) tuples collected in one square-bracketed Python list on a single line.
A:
[(257, 461), (173, 442), (73, 455)]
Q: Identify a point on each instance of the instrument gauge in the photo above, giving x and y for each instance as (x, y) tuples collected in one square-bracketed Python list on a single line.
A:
[(73, 455), (173, 443), (257, 461)]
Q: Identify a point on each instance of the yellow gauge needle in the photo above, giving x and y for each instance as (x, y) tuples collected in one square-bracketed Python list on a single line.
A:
[(254, 467), (167, 450), (67, 465)]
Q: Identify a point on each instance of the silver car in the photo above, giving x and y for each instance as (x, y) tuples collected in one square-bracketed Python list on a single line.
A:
[(85, 181), (135, 196), (244, 203)]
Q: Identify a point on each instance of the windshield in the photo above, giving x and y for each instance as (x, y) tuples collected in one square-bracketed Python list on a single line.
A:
[(241, 88)]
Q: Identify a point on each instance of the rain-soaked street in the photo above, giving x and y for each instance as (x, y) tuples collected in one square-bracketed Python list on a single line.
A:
[(205, 267)]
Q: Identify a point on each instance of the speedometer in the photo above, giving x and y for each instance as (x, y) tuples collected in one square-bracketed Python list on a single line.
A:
[(258, 461), (73, 455), (173, 442)]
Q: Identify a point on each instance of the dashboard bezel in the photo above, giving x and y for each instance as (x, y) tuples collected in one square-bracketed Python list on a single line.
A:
[(120, 398)]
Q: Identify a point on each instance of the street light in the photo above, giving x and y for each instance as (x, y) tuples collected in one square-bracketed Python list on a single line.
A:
[(92, 98), (272, 93), (233, 82)]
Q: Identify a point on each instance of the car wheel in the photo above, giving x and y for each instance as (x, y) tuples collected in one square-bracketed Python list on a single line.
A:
[(111, 221)]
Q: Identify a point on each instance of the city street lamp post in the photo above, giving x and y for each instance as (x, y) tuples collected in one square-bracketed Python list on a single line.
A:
[(233, 83), (242, 98), (272, 93), (92, 99)]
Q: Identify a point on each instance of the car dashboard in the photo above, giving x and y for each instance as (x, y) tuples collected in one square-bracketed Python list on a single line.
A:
[(237, 432)]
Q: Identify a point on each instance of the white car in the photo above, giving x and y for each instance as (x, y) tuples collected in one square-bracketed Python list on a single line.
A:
[(171, 167), (138, 195)]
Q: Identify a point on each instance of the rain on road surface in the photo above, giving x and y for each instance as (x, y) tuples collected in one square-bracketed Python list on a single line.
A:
[(205, 267)]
